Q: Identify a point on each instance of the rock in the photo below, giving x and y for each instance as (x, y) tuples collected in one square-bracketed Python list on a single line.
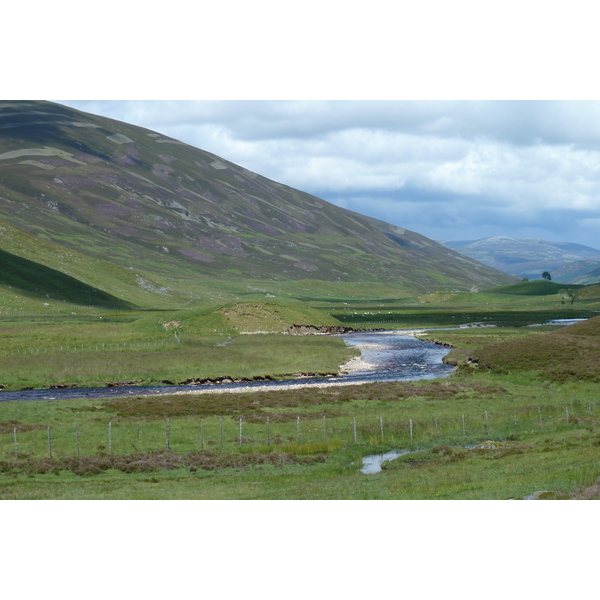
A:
[(489, 445)]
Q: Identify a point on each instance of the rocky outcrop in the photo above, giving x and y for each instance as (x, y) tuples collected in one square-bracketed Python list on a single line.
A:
[(320, 329)]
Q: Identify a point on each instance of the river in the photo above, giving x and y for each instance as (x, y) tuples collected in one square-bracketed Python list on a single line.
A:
[(385, 356)]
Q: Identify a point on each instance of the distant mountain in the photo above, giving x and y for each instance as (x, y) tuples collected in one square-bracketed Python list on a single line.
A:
[(581, 272), (526, 257), (148, 219)]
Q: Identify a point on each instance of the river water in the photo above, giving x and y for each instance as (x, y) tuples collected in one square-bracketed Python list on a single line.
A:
[(385, 356)]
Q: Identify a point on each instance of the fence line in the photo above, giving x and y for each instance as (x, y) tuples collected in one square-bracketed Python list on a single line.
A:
[(91, 348), (21, 441)]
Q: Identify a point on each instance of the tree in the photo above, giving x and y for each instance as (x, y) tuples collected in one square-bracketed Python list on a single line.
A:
[(546, 276), (570, 295)]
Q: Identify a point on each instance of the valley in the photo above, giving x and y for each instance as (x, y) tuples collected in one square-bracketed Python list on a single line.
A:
[(129, 258)]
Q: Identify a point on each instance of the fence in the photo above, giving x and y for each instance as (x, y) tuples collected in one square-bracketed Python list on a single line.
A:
[(281, 433), (92, 347)]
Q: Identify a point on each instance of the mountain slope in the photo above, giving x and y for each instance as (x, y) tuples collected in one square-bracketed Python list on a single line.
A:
[(182, 217), (524, 257), (582, 272)]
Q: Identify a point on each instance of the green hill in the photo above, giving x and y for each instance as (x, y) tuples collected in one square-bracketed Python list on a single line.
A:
[(187, 225)]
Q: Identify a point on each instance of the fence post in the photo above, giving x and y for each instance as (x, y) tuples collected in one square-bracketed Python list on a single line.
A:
[(436, 426), (49, 443), (567, 411), (240, 432), (168, 434), (463, 426), (110, 437), (411, 430), (540, 415), (297, 430), (76, 438), (487, 430), (354, 426), (324, 429), (381, 427), (201, 434), (268, 432), (16, 445), (221, 432)]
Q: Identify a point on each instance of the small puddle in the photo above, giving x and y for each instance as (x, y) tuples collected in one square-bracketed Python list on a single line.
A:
[(372, 464)]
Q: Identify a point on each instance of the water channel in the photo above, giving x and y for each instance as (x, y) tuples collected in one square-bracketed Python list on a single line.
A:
[(385, 356)]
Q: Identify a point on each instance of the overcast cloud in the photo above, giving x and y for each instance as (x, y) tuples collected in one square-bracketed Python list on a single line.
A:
[(450, 170)]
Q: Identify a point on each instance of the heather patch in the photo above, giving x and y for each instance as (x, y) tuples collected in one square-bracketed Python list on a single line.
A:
[(146, 462), (569, 353)]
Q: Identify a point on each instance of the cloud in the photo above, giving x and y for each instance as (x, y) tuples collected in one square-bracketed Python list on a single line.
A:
[(452, 168)]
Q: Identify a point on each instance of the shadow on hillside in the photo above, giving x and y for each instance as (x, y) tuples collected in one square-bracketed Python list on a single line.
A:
[(38, 281)]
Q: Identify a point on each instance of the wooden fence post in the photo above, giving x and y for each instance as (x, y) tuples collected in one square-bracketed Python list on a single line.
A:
[(221, 432), (77, 439), (16, 445), (540, 416), (240, 432), (201, 434), (411, 430), (381, 427), (354, 427), (567, 411), (49, 443), (487, 430), (268, 432), (297, 430), (463, 426), (436, 425), (168, 434), (109, 437), (324, 429)]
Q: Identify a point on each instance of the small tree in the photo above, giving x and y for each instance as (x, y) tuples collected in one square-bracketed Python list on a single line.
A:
[(546, 276), (570, 295)]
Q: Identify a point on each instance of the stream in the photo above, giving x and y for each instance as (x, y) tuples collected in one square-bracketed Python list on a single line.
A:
[(385, 356)]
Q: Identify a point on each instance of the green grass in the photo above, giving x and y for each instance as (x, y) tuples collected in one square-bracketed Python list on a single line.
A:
[(275, 459), (272, 462)]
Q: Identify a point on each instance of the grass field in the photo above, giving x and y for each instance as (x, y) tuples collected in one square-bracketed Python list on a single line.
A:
[(306, 443)]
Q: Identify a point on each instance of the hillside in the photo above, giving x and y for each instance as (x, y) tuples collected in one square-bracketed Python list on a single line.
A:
[(154, 221), (528, 257), (582, 272)]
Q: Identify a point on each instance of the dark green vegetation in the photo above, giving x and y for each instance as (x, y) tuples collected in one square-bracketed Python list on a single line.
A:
[(156, 222), (36, 281)]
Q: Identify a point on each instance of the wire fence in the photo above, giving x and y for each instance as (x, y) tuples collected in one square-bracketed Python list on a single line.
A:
[(95, 347), (280, 433)]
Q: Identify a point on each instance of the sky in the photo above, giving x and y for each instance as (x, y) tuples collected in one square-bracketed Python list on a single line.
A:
[(448, 169)]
